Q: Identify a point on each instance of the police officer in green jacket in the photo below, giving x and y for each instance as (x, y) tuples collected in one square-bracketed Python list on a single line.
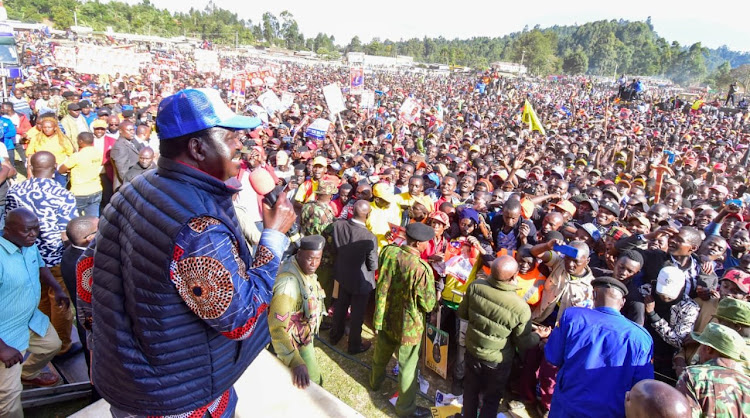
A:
[(405, 293)]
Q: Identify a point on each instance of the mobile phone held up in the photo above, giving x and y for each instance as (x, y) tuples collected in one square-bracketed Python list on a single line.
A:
[(566, 250)]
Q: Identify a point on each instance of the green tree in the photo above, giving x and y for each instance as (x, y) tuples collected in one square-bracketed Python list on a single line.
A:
[(575, 62)]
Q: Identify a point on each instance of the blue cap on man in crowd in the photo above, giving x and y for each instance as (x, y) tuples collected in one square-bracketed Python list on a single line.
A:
[(193, 110)]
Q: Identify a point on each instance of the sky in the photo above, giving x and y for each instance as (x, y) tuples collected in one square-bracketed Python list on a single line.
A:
[(710, 23)]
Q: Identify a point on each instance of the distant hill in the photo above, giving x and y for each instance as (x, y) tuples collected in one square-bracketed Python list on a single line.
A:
[(605, 47)]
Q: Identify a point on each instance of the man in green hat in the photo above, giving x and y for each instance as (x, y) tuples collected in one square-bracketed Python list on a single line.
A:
[(735, 314), (718, 386), (296, 309), (405, 293)]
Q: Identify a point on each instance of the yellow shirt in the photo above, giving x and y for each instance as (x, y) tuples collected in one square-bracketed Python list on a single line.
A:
[(59, 145), (85, 166), (379, 219)]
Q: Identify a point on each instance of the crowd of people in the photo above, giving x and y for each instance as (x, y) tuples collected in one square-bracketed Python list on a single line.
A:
[(596, 265)]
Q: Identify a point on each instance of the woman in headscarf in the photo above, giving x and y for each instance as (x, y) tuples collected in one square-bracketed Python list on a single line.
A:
[(48, 137)]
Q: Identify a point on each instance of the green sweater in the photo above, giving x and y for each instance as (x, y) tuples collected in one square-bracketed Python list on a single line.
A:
[(499, 321)]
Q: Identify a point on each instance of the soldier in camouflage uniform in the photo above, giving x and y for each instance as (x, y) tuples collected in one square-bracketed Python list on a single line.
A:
[(316, 218), (717, 387), (405, 293), (735, 314), (317, 215), (295, 311)]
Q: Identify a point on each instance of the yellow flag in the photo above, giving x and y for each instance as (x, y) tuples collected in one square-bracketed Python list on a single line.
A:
[(530, 117), (697, 105)]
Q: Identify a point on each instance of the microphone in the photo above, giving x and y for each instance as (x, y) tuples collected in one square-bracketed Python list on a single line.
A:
[(263, 184)]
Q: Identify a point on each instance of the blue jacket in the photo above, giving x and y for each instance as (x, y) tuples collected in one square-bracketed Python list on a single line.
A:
[(601, 355), (153, 353), (9, 133)]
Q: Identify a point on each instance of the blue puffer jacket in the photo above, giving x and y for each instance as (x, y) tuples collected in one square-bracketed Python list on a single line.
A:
[(152, 354)]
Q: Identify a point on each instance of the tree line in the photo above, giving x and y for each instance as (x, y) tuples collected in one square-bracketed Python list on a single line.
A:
[(605, 47)]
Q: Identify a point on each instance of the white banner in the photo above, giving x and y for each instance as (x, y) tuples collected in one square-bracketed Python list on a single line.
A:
[(207, 61), (334, 99), (270, 102), (94, 59), (367, 101), (287, 99), (65, 56)]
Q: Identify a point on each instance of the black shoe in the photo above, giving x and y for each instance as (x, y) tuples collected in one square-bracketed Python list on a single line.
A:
[(364, 346), (331, 338), (422, 412), (457, 387)]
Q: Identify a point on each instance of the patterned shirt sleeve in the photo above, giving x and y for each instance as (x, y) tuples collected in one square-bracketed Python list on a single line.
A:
[(215, 282), (679, 326)]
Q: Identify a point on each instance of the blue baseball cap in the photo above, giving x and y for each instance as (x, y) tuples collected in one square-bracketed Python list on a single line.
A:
[(193, 110)]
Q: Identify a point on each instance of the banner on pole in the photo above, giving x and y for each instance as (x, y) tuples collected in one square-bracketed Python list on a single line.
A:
[(357, 80), (334, 99), (367, 100)]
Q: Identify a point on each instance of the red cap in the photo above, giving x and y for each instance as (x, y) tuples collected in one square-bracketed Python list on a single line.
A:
[(740, 278)]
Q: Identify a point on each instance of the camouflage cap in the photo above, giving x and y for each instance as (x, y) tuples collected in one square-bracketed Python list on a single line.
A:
[(733, 310), (326, 187), (722, 339)]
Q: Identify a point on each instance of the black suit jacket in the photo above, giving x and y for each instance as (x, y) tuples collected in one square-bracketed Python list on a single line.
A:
[(356, 251)]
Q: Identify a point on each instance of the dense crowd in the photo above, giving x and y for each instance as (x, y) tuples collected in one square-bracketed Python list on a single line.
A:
[(571, 264)]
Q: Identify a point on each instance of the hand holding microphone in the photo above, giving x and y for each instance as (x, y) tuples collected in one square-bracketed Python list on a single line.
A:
[(278, 212)]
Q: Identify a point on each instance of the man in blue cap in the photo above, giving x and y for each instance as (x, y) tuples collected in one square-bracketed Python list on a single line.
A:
[(180, 307)]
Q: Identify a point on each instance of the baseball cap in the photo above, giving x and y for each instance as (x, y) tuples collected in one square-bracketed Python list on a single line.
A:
[(591, 230), (722, 339), (382, 191), (566, 206), (738, 277), (670, 282), (98, 124), (734, 310), (320, 160), (194, 110), (611, 207), (440, 217), (720, 188), (282, 158), (642, 220)]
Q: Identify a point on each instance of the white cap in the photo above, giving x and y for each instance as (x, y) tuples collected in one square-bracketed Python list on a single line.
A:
[(670, 282), (282, 158)]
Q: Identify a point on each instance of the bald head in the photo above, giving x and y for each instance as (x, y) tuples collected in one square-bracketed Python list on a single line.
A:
[(361, 210), (654, 399), (43, 164), (21, 227), (504, 268), (80, 230)]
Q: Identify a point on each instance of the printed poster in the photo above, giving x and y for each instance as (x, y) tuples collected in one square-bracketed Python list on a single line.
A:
[(334, 99), (367, 100), (270, 102), (357, 80), (436, 350), (409, 111)]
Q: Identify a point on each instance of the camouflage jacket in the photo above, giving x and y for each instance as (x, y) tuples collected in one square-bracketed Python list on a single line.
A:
[(295, 312), (405, 292), (717, 388), (315, 218)]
